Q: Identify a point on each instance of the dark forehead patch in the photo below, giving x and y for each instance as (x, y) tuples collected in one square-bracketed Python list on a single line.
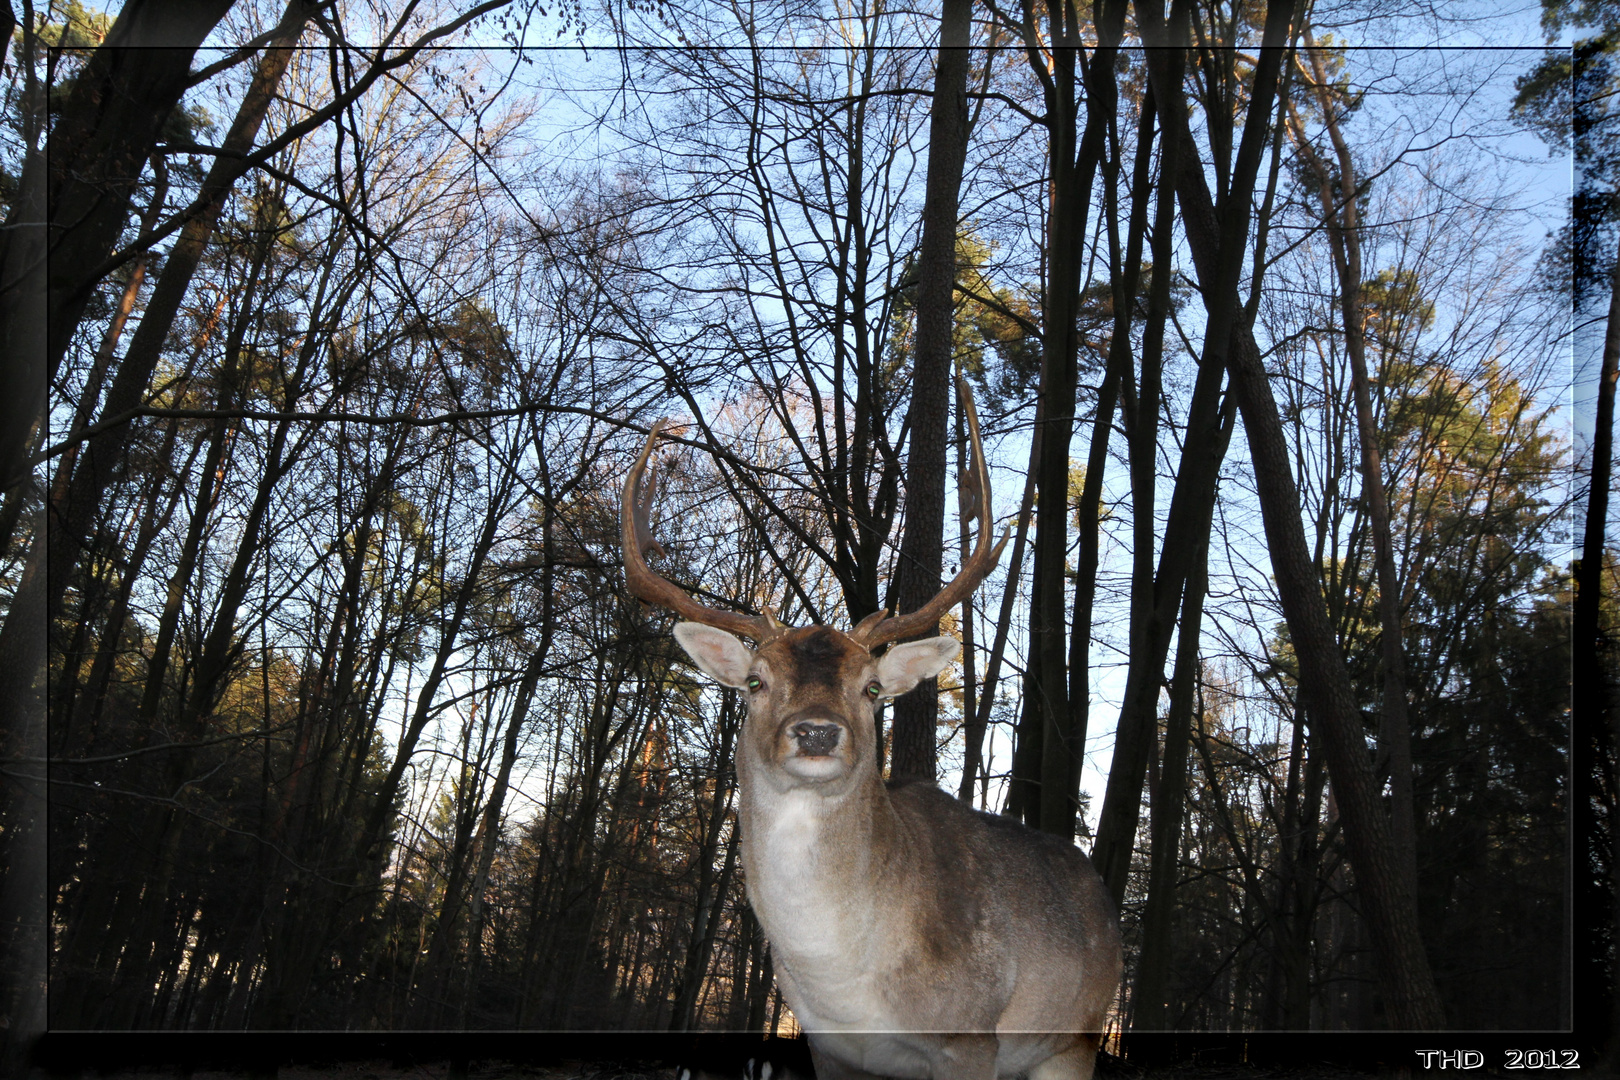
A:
[(818, 657)]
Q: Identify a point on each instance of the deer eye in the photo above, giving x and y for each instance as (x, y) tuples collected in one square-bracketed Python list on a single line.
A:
[(754, 683), (874, 689)]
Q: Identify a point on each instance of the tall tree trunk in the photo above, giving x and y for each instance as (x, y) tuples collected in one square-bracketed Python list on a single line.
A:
[(1069, 204), (1405, 977), (1072, 156), (1149, 1005), (215, 467), (23, 840), (78, 714), (112, 118), (490, 833), (102, 455), (1009, 598), (431, 996), (708, 905), (72, 660), (1302, 867), (922, 548), (972, 727), (862, 481), (1157, 596), (24, 914), (759, 993), (1595, 718), (106, 351), (1344, 234), (1088, 512)]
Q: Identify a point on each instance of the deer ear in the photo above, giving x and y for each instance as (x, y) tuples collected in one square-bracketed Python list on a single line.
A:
[(723, 656), (904, 666)]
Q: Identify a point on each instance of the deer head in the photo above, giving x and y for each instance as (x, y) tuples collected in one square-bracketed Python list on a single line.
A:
[(811, 690)]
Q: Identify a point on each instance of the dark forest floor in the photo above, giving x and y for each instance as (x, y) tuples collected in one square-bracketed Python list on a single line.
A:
[(383, 1069), (645, 1055)]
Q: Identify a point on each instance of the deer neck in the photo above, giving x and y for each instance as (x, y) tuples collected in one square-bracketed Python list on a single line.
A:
[(816, 859)]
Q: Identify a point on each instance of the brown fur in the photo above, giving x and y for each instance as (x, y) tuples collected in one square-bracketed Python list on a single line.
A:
[(816, 656), (913, 936)]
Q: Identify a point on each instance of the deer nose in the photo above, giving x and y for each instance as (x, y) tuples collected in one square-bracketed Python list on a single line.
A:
[(816, 739)]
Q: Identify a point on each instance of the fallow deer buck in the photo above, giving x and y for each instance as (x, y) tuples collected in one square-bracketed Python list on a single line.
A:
[(912, 936)]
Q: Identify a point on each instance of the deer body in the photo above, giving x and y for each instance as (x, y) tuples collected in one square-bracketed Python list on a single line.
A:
[(912, 936), (920, 952)]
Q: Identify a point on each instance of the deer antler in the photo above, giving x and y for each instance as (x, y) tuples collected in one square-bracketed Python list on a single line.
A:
[(879, 627), (635, 536)]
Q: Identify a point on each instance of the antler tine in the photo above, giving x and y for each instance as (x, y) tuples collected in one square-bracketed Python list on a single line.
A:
[(872, 631), (635, 512)]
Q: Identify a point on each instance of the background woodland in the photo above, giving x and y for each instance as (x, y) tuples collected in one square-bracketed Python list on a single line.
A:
[(355, 315)]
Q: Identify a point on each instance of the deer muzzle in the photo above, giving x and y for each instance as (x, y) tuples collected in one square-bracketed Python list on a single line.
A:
[(813, 745), (816, 738)]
